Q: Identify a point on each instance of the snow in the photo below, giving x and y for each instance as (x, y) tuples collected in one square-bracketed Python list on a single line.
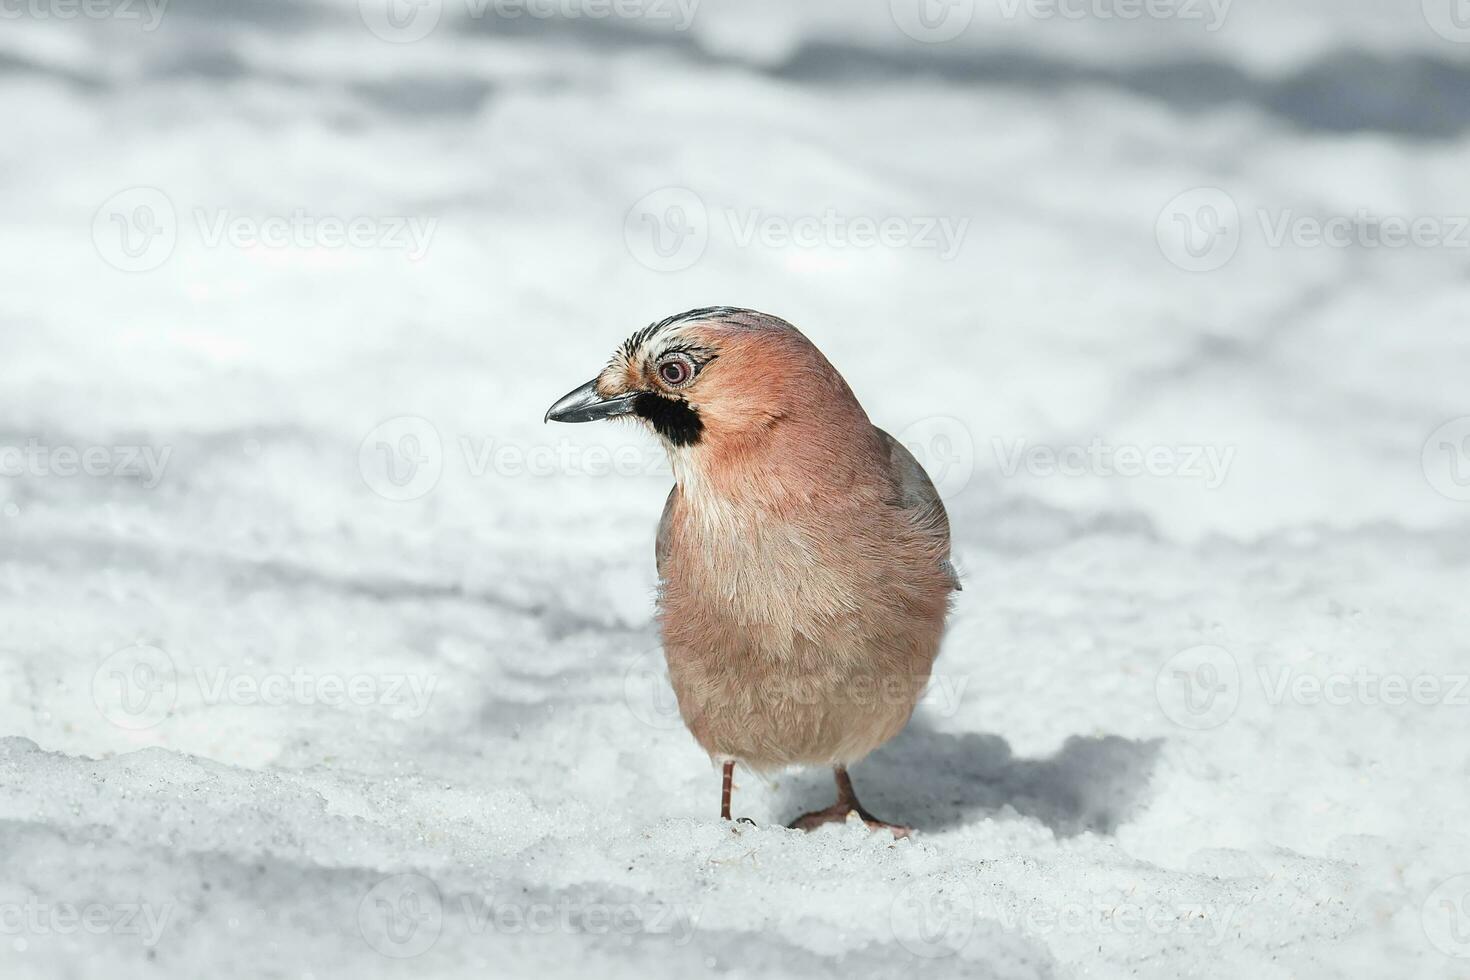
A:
[(324, 657)]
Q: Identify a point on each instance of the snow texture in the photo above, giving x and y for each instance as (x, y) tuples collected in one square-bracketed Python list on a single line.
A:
[(324, 657)]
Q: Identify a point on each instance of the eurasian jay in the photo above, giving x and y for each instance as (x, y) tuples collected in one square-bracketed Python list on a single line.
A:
[(803, 553)]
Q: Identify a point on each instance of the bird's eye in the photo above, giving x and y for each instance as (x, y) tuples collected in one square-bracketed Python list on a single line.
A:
[(676, 371)]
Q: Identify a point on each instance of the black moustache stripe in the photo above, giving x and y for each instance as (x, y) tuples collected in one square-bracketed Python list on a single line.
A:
[(670, 418)]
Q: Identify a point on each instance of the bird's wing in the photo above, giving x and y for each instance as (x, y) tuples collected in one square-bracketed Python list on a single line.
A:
[(916, 493), (661, 543)]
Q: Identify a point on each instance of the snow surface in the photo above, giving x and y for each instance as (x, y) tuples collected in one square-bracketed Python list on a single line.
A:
[(261, 718)]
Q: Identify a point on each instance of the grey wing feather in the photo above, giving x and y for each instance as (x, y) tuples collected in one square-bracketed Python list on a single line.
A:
[(661, 543), (916, 493)]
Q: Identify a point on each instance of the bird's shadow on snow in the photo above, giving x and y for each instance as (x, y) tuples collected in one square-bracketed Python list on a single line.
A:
[(933, 780)]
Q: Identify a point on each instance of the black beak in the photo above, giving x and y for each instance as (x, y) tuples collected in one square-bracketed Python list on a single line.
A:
[(586, 405)]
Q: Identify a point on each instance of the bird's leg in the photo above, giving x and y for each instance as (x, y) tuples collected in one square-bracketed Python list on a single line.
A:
[(725, 795), (725, 791), (845, 793), (847, 802)]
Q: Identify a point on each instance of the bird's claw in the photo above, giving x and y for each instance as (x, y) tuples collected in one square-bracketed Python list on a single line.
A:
[(842, 813)]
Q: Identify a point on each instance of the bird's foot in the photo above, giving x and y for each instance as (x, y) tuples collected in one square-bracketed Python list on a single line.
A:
[(841, 813)]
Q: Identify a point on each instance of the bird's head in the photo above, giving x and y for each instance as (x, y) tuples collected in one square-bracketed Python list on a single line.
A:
[(719, 379)]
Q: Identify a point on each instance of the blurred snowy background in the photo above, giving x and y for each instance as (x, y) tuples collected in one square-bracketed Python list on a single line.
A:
[(322, 656)]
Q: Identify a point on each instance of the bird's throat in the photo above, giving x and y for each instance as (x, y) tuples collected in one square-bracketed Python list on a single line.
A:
[(671, 418)]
